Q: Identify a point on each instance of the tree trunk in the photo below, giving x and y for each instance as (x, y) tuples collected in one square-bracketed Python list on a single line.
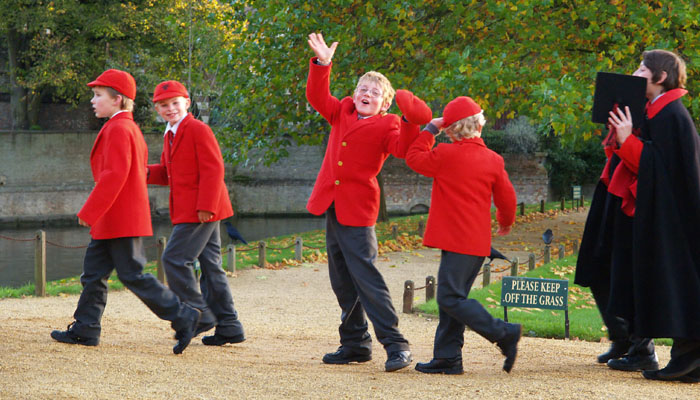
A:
[(18, 94), (383, 213)]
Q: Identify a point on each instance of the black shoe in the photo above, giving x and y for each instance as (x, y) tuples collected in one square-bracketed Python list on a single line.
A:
[(220, 340), (617, 350), (185, 334), (509, 345), (398, 360), (449, 366), (68, 336), (692, 377), (681, 366), (635, 363), (345, 356)]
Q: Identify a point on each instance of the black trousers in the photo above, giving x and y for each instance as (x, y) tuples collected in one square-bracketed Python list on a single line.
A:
[(201, 242), (455, 279), (126, 255), (359, 288)]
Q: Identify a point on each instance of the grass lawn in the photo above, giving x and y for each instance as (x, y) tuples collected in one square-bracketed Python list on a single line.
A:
[(585, 322)]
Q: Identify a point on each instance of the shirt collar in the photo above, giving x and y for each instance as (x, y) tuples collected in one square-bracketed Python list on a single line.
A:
[(118, 112), (173, 128)]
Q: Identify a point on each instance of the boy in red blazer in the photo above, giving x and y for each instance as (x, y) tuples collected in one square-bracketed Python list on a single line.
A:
[(346, 190), (192, 165), (466, 175), (118, 214)]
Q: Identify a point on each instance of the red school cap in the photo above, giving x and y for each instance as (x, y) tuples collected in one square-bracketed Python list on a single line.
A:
[(118, 80), (459, 108), (168, 90)]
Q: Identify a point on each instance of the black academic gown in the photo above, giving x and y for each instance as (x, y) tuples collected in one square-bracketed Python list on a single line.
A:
[(661, 297)]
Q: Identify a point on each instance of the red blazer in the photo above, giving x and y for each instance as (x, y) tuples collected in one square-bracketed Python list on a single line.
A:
[(357, 149), (118, 204), (465, 176), (194, 169)]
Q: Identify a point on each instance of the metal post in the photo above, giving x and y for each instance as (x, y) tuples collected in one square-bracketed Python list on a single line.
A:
[(262, 250), (40, 264), (531, 262), (298, 248), (408, 297), (429, 288), (160, 272), (231, 253), (514, 267), (487, 275)]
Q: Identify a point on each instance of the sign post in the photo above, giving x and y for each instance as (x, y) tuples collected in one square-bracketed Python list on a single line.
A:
[(551, 294), (575, 195)]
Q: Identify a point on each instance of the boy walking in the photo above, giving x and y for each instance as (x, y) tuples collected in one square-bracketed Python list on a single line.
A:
[(192, 165), (118, 214), (346, 190), (466, 175)]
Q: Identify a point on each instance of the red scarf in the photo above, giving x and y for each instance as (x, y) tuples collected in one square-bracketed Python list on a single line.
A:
[(623, 183)]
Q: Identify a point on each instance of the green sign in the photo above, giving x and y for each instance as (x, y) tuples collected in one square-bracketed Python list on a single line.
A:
[(535, 293), (576, 192)]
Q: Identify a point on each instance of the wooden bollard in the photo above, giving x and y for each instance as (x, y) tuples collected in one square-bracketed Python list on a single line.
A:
[(408, 297), (562, 251), (487, 275), (575, 245), (298, 248), (40, 263), (542, 206), (262, 250), (531, 262), (160, 272), (563, 204), (421, 228), (547, 254), (522, 208), (395, 231), (514, 267), (429, 288), (583, 202), (231, 254)]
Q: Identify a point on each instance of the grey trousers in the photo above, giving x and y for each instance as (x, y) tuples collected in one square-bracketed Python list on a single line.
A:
[(126, 255), (359, 288), (455, 279), (201, 242)]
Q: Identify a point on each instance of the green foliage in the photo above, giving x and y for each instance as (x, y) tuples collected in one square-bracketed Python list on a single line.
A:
[(573, 162)]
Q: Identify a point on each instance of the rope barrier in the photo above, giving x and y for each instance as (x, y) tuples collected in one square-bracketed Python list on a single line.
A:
[(16, 239), (65, 246)]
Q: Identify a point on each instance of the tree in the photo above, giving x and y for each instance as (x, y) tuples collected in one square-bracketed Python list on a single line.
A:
[(56, 47), (516, 57)]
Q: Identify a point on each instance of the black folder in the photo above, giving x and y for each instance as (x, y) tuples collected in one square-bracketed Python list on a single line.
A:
[(620, 89)]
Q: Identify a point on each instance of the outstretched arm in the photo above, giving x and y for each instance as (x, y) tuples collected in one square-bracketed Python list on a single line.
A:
[(321, 49)]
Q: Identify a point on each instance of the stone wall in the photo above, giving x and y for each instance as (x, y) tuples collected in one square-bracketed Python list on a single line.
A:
[(46, 176)]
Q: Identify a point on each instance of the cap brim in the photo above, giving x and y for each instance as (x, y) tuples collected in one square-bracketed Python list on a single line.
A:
[(620, 89)]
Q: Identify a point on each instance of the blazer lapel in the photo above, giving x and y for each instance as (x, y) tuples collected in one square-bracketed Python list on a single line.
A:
[(360, 124), (180, 133)]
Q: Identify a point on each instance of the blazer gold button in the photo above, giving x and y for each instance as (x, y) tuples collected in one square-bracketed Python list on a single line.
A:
[(337, 182), (340, 163), (344, 144)]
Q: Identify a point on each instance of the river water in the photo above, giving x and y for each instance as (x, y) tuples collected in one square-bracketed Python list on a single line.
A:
[(17, 257)]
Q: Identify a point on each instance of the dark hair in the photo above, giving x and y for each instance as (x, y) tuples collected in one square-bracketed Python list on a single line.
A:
[(659, 61)]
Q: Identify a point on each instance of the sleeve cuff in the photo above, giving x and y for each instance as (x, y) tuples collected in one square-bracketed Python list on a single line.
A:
[(432, 129)]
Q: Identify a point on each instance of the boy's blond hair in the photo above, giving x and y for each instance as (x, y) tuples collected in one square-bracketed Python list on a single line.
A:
[(466, 128), (382, 81), (127, 103)]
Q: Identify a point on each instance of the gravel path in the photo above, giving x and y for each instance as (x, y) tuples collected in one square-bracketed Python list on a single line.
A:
[(291, 319)]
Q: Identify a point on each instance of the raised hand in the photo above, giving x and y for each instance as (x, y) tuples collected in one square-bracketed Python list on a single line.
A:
[(319, 46), (622, 123)]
